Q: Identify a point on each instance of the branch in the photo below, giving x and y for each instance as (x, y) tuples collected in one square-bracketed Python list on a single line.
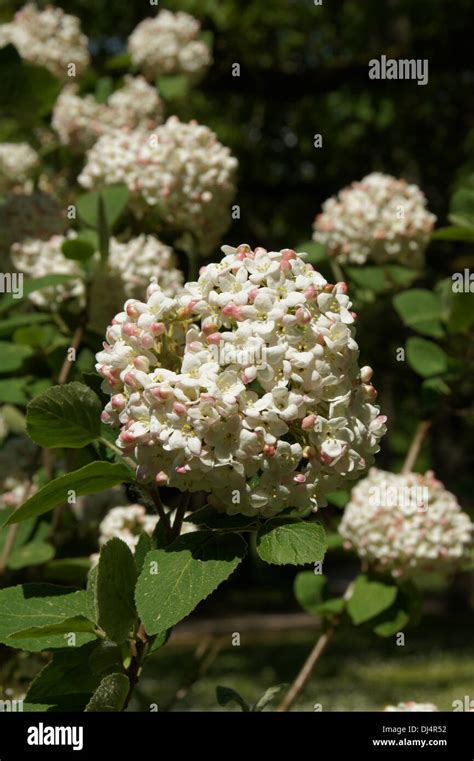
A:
[(415, 446), (67, 364)]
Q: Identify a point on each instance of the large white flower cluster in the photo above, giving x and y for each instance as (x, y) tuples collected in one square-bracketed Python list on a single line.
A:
[(181, 171), (412, 707), (380, 218), (17, 163), (405, 524), (133, 264), (246, 386), (169, 44), (49, 38), (80, 121)]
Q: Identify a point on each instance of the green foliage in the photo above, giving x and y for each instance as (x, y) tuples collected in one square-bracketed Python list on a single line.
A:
[(32, 606), (90, 479), (370, 597), (425, 357), (420, 310), (114, 199), (110, 695), (178, 577), (116, 578), (283, 541), (64, 416)]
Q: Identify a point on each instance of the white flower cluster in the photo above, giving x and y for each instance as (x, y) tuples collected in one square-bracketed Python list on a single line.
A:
[(246, 386), (181, 170), (412, 707), (132, 264), (126, 523), (27, 217), (379, 218), (80, 121), (168, 44), (49, 38), (404, 536), (17, 163)]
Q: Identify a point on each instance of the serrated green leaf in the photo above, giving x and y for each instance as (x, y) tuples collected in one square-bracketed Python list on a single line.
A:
[(66, 683), (425, 357), (116, 579), (37, 605), (64, 416), (370, 596), (92, 478), (289, 541), (176, 578), (110, 695)]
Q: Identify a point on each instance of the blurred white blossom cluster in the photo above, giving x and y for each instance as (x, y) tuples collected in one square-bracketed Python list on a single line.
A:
[(181, 171), (80, 121), (245, 386), (126, 523), (412, 707), (169, 44), (18, 161), (404, 536), (49, 38), (17, 461), (380, 218), (133, 264)]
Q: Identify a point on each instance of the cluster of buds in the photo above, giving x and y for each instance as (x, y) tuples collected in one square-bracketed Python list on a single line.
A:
[(169, 44), (426, 532), (18, 161), (245, 386), (49, 38), (380, 218), (181, 171)]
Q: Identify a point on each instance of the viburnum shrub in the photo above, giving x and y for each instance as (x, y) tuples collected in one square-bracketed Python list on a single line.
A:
[(229, 411)]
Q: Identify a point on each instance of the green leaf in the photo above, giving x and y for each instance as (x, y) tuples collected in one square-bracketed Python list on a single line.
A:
[(210, 518), (8, 326), (144, 545), (31, 286), (462, 207), (13, 356), (68, 626), (399, 275), (67, 570), (226, 695), (33, 553), (106, 658), (116, 579), (173, 86), (78, 249), (289, 541), (370, 596), (110, 695), (119, 61), (372, 278), (420, 310), (309, 588), (333, 606), (92, 478), (104, 89), (66, 683), (461, 317), (425, 357), (38, 605), (115, 200), (316, 252), (267, 698), (13, 391), (36, 336), (405, 609), (454, 233), (339, 498), (178, 577), (64, 416)]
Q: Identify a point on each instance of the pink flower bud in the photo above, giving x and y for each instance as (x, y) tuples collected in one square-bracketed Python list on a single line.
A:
[(366, 373), (105, 417), (303, 316), (310, 292), (161, 478), (214, 338), (342, 287), (269, 450), (158, 328), (179, 408), (308, 422), (300, 478), (118, 402)]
